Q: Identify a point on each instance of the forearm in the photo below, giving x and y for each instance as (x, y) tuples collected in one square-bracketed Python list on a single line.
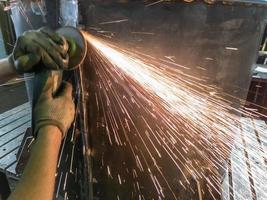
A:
[(7, 71), (38, 179)]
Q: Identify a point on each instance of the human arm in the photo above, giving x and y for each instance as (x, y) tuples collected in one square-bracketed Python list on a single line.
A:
[(38, 179), (52, 116), (34, 47)]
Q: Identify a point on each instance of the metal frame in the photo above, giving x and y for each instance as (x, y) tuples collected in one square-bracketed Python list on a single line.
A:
[(264, 2), (7, 25), (261, 2)]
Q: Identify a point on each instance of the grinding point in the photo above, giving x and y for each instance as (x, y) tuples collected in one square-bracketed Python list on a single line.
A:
[(77, 45)]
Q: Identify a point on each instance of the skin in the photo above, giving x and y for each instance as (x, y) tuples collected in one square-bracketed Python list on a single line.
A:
[(38, 179), (7, 71)]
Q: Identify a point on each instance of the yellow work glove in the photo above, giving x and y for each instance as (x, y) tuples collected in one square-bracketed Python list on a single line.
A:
[(41, 46), (54, 109)]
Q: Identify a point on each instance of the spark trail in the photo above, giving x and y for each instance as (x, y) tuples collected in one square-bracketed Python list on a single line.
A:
[(166, 130)]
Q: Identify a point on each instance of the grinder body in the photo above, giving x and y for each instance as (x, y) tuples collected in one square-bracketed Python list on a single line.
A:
[(77, 52)]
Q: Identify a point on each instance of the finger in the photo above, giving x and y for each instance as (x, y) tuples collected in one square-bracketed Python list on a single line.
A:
[(44, 40), (26, 62), (62, 49), (24, 45), (66, 90), (44, 56), (61, 61), (58, 42), (48, 61), (18, 49), (53, 35), (46, 84), (54, 62)]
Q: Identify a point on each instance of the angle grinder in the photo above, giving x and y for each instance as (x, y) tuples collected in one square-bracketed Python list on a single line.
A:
[(77, 53)]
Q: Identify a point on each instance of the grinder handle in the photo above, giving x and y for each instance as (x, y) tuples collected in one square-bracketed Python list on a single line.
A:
[(39, 82)]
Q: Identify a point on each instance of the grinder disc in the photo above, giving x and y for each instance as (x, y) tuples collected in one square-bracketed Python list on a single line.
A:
[(79, 54)]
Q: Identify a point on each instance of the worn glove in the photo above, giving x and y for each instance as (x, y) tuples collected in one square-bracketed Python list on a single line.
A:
[(41, 46), (54, 109)]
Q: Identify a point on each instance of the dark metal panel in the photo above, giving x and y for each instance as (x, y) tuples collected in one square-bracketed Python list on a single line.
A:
[(221, 39), (4, 190), (196, 34), (6, 28), (263, 2)]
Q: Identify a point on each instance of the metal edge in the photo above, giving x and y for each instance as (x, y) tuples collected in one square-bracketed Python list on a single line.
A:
[(245, 2), (263, 2), (85, 132)]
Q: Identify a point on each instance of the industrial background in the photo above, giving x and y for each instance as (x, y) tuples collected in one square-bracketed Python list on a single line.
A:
[(192, 125)]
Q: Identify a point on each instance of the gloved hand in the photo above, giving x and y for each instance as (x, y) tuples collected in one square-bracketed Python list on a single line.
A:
[(54, 109), (38, 46)]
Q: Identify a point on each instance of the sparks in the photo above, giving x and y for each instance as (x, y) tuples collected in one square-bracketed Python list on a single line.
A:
[(177, 129), (114, 22)]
